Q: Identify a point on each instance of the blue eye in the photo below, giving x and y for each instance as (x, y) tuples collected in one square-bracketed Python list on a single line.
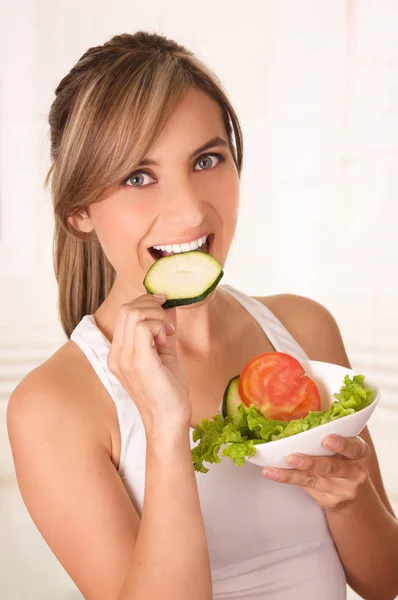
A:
[(140, 175), (205, 157)]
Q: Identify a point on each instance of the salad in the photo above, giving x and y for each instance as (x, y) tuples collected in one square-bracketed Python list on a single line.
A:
[(247, 422)]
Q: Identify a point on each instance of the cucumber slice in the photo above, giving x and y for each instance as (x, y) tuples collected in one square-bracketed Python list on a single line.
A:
[(231, 399), (185, 278)]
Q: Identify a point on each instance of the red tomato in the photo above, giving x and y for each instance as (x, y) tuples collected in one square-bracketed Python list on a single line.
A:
[(277, 385)]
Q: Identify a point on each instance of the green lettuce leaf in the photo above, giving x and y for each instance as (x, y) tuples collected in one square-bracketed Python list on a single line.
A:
[(238, 435)]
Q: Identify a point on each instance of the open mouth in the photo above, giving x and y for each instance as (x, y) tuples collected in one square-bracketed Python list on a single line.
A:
[(207, 248)]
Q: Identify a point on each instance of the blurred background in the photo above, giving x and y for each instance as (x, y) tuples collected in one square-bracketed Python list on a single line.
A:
[(315, 85)]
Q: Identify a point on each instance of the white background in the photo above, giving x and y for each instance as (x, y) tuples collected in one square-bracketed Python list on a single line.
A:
[(315, 85)]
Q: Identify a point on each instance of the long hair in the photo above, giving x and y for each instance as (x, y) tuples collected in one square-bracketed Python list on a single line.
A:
[(107, 113)]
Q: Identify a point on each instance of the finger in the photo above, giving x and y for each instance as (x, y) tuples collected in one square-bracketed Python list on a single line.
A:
[(145, 357), (126, 319), (327, 466), (310, 480), (146, 309), (128, 354), (161, 297), (304, 479), (168, 314), (158, 330), (353, 447), (171, 312)]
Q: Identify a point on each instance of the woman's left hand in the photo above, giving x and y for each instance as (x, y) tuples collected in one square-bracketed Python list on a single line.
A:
[(333, 481)]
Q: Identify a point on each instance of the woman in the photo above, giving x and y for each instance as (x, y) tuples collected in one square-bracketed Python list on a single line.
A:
[(147, 151)]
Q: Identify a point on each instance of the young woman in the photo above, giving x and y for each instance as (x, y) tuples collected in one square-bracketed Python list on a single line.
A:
[(147, 151)]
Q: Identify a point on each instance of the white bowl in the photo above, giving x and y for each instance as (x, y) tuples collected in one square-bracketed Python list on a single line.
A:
[(329, 379)]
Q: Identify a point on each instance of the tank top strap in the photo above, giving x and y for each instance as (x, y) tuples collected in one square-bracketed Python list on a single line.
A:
[(96, 347), (275, 331)]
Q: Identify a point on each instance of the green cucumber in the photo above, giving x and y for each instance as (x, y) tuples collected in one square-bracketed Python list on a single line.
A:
[(185, 278), (231, 399)]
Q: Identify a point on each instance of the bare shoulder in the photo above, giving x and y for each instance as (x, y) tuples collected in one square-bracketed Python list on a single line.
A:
[(50, 380), (61, 392), (311, 324)]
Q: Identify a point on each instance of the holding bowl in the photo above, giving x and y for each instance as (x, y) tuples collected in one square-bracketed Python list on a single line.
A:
[(329, 379)]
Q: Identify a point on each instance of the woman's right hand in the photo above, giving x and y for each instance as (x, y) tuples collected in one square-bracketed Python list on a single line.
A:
[(143, 358)]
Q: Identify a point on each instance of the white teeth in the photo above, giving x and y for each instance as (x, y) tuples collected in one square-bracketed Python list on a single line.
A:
[(185, 247)]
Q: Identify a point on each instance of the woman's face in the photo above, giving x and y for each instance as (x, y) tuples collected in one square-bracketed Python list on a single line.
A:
[(184, 196)]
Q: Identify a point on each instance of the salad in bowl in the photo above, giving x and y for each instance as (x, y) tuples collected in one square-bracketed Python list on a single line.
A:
[(278, 406)]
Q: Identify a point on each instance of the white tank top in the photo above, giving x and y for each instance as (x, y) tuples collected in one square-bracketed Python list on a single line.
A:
[(266, 540)]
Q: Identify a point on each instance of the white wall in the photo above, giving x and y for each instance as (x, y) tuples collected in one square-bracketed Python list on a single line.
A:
[(316, 87)]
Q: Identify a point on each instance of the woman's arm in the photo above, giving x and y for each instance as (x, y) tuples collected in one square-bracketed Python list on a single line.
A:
[(366, 537), (365, 531), (170, 560), (78, 502)]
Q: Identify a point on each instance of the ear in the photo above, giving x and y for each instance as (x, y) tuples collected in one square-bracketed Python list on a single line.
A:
[(81, 222)]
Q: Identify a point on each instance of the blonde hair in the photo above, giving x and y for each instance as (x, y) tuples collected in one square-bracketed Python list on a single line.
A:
[(107, 113)]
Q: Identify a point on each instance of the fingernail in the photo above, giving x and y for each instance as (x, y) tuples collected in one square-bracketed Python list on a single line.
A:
[(295, 460), (270, 473), (159, 295), (331, 442)]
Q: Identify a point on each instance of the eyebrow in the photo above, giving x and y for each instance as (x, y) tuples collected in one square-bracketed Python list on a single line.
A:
[(217, 141)]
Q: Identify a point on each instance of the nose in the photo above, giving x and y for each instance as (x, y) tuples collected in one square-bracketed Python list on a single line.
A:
[(184, 205)]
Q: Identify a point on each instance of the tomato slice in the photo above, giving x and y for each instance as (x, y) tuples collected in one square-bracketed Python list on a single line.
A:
[(277, 385)]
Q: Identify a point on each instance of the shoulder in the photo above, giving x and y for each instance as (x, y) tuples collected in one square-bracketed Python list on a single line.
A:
[(59, 376), (311, 324), (60, 396), (50, 380)]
